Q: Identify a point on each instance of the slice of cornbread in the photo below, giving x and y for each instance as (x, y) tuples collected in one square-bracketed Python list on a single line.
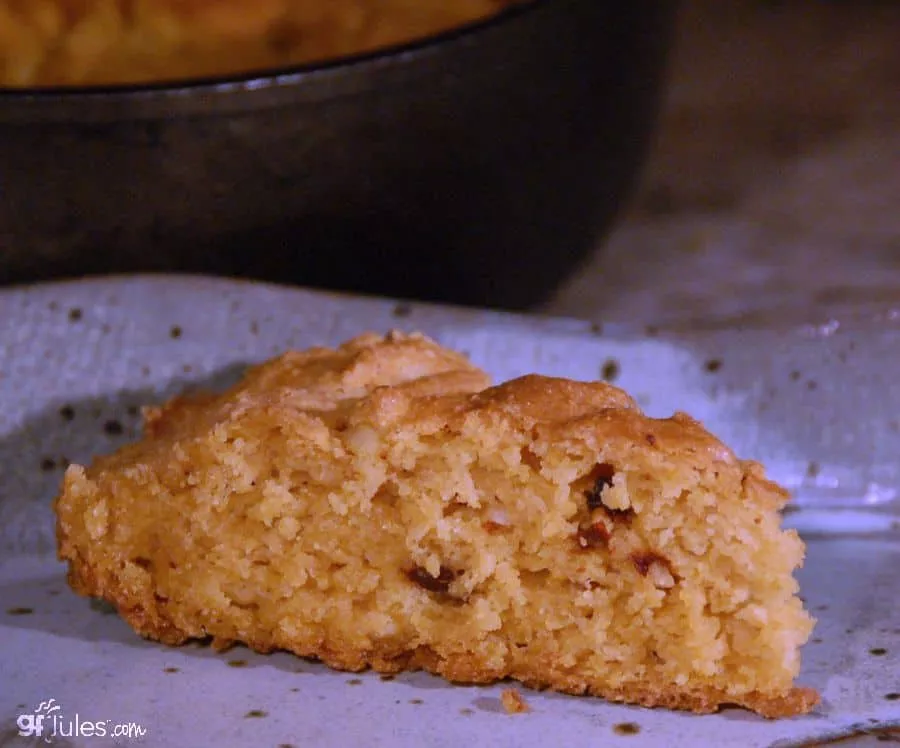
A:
[(378, 505)]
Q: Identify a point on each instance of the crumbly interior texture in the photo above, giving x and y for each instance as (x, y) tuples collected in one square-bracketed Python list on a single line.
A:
[(380, 505)]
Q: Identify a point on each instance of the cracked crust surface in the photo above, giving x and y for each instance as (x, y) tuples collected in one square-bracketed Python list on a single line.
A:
[(380, 505)]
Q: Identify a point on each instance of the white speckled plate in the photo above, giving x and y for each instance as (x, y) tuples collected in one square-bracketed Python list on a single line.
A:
[(821, 406)]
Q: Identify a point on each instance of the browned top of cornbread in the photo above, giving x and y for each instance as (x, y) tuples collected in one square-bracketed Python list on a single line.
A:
[(408, 381)]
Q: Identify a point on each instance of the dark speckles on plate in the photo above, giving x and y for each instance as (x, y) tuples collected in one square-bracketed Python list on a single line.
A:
[(48, 464), (402, 310), (237, 663), (892, 696), (256, 714), (75, 314), (19, 611), (175, 332), (171, 669), (416, 702), (354, 682), (878, 651), (713, 365), (610, 370), (626, 728), (67, 413), (113, 427)]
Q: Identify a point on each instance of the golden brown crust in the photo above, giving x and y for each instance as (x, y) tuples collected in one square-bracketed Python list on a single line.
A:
[(380, 506)]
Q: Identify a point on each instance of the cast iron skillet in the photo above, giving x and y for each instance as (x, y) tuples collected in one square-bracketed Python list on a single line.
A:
[(475, 167)]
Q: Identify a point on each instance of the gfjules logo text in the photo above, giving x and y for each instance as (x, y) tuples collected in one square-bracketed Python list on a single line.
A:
[(48, 722)]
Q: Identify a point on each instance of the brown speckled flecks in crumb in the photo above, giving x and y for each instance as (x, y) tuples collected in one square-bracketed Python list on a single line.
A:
[(513, 702), (595, 536), (600, 478), (644, 560), (610, 370), (440, 584), (626, 728)]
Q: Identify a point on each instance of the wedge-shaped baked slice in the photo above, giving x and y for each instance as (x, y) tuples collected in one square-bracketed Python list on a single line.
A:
[(376, 505)]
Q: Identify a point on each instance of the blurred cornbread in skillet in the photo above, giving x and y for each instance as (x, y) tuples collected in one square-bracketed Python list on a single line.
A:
[(381, 505), (96, 42)]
